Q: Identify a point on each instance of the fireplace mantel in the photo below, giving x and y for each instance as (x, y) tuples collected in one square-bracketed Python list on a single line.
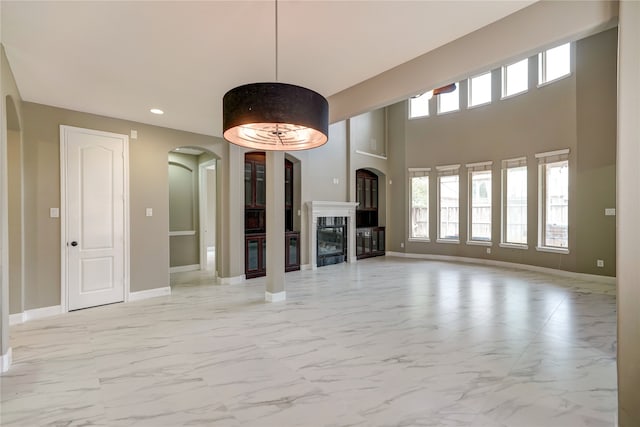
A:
[(317, 209)]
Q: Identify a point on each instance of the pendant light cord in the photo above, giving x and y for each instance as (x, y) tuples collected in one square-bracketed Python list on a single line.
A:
[(276, 13)]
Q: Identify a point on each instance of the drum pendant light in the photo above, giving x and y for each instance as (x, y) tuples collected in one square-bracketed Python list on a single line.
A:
[(275, 116)]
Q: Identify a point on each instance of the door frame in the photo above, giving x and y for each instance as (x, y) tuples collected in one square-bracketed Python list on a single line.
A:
[(203, 196), (64, 303)]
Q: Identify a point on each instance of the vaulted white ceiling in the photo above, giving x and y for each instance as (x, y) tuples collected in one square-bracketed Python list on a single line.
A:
[(121, 58)]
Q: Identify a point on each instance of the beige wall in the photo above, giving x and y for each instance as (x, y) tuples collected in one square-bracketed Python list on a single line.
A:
[(184, 174), (14, 181), (148, 188), (543, 119), (628, 214), (10, 119)]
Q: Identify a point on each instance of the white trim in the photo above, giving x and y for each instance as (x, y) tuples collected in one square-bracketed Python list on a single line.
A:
[(182, 233), (319, 208), (552, 153), (277, 297), (514, 246), (184, 268), (419, 170), (305, 267), (479, 164), (33, 314), (552, 250), (419, 239), (447, 168), (6, 360), (557, 79), (234, 280), (149, 293), (451, 241), (16, 319), (479, 243), (64, 307), (377, 156), (584, 276)]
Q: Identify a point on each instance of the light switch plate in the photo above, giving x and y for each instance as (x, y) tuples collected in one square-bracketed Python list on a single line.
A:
[(610, 211), (134, 134), (54, 212), (149, 212)]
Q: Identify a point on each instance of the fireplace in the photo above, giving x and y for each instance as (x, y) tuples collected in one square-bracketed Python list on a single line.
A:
[(332, 240), (332, 228)]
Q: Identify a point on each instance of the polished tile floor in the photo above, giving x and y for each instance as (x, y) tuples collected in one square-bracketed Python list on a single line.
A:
[(383, 342)]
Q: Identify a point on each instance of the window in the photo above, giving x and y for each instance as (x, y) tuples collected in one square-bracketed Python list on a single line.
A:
[(448, 203), (554, 63), (515, 78), (479, 202), (480, 90), (419, 184), (419, 105), (449, 101), (553, 230), (514, 203)]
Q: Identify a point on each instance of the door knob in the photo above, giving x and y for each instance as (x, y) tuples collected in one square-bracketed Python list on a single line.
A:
[(74, 243)]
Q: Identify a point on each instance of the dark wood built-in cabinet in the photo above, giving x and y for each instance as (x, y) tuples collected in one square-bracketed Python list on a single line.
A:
[(255, 200), (370, 238)]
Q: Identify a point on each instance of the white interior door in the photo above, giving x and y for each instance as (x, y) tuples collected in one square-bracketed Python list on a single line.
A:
[(94, 230)]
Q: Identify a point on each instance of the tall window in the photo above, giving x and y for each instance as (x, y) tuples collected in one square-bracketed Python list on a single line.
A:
[(554, 63), (515, 78), (553, 200), (419, 184), (419, 106), (480, 89), (449, 101), (448, 203), (479, 202), (514, 202)]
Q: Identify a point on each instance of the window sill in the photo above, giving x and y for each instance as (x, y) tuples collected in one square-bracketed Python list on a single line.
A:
[(471, 107), (442, 113), (557, 79), (479, 242), (513, 95), (450, 241), (419, 239), (513, 246), (552, 250)]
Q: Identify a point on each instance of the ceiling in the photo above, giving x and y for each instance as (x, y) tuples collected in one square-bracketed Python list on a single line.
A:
[(121, 58)]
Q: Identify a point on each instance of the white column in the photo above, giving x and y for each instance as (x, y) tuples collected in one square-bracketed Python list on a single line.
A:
[(275, 227), (628, 213)]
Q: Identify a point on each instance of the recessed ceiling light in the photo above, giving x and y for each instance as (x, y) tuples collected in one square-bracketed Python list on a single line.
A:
[(156, 111)]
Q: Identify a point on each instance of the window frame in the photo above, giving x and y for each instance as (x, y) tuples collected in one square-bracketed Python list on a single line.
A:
[(470, 105), (544, 159), (514, 163), (542, 69), (419, 173), (439, 97), (473, 168), (445, 171), (428, 98), (505, 75)]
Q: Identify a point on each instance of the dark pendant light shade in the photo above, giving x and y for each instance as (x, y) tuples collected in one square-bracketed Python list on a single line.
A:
[(275, 116)]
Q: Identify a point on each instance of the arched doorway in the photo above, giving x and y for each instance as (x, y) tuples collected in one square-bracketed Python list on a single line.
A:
[(193, 206)]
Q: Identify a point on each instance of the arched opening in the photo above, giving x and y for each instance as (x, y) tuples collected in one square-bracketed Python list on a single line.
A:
[(15, 208), (193, 234), (370, 231)]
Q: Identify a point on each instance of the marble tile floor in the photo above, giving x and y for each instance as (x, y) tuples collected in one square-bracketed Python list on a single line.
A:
[(382, 342)]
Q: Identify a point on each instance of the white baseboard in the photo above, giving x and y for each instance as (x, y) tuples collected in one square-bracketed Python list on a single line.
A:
[(591, 277), (305, 267), (5, 360), (184, 268), (16, 319), (149, 293), (277, 297), (231, 280), (33, 314)]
